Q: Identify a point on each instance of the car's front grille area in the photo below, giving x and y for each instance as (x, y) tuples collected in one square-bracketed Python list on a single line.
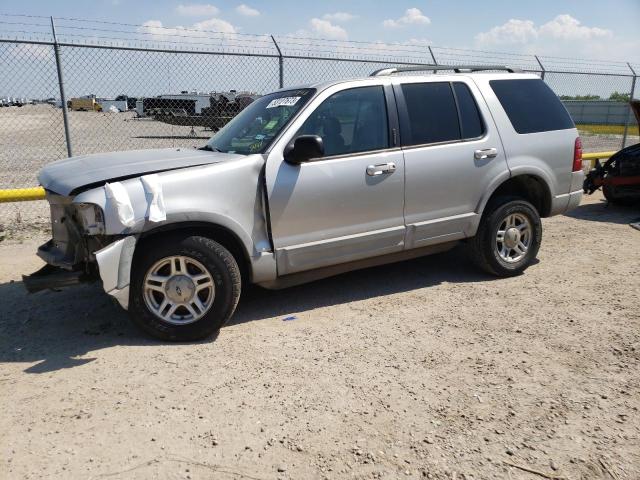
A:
[(62, 250)]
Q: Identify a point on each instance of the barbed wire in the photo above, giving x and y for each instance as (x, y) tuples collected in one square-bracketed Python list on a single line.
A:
[(307, 44), (29, 24)]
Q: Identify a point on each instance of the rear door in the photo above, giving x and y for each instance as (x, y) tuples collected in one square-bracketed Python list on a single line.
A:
[(452, 154)]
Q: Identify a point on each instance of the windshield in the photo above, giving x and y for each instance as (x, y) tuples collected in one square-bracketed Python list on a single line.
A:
[(253, 129)]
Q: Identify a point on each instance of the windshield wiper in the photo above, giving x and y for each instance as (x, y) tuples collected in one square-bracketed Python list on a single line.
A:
[(209, 148)]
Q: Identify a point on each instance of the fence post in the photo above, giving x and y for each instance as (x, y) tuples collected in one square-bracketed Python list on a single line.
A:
[(435, 62), (280, 62), (63, 97), (542, 69), (633, 91)]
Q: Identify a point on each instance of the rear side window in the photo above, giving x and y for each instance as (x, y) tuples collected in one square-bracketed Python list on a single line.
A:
[(432, 112), (440, 112), (470, 120), (531, 105)]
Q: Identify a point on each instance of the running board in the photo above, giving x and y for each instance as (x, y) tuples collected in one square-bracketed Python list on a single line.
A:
[(299, 278)]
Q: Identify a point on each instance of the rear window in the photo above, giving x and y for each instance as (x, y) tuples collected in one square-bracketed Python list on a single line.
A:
[(531, 105), (433, 116), (439, 112)]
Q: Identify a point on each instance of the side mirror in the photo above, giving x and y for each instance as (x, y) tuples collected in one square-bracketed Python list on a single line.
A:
[(303, 149)]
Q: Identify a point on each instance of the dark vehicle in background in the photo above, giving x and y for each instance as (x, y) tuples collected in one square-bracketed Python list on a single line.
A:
[(222, 108), (619, 176)]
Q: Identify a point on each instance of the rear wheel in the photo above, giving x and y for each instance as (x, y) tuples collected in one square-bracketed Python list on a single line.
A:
[(184, 288), (508, 238)]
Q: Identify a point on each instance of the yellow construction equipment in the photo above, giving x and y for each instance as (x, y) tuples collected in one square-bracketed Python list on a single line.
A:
[(85, 104)]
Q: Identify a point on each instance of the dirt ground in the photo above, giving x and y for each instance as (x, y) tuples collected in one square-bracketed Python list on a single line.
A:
[(422, 369)]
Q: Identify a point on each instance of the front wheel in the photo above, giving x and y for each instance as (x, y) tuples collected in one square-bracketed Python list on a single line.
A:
[(183, 288), (508, 238)]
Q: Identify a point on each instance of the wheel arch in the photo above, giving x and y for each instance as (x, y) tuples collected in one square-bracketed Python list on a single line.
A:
[(528, 186), (219, 233)]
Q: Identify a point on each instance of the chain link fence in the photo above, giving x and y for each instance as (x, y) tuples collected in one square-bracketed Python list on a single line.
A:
[(140, 87)]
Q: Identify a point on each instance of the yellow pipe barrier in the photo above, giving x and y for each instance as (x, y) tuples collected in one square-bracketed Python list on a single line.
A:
[(597, 155), (592, 157), (21, 194), (37, 193)]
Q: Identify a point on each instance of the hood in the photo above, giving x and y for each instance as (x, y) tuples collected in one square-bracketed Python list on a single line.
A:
[(65, 176)]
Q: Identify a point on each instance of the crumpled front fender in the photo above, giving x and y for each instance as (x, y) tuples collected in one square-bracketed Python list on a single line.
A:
[(114, 265)]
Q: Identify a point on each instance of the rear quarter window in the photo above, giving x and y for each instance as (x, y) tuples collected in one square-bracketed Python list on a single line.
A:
[(470, 120), (531, 105)]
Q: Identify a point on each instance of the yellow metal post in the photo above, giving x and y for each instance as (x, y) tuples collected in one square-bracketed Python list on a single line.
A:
[(592, 157), (21, 194)]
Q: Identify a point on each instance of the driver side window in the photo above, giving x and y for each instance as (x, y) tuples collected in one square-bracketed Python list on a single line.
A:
[(350, 121)]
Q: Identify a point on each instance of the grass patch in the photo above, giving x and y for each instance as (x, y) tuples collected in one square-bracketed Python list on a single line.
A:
[(604, 129)]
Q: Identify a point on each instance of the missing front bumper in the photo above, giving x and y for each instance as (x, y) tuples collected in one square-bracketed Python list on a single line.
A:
[(51, 277), (114, 267)]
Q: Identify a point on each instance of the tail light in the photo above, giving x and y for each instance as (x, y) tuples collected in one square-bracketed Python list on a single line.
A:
[(577, 155)]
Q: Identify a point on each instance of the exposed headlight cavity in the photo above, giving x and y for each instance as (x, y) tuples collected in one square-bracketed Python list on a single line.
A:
[(91, 218)]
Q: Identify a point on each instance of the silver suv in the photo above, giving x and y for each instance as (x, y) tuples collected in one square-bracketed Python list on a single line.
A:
[(313, 181)]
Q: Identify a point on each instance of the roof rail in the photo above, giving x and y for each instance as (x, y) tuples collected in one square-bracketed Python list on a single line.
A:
[(434, 68)]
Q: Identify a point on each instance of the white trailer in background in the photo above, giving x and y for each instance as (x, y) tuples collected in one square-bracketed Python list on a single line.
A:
[(107, 103)]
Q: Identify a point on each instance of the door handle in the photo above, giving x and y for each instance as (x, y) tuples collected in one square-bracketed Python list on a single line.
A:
[(381, 169), (486, 153)]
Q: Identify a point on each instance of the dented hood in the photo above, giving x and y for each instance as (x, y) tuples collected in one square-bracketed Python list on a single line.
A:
[(66, 176)]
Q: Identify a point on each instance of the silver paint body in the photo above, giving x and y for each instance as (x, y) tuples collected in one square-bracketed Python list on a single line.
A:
[(333, 210), (64, 176)]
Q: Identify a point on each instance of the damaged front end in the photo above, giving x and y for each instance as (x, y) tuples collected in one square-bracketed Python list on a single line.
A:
[(80, 251), (104, 205), (92, 219)]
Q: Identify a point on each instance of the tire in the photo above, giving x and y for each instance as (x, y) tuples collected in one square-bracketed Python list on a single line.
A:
[(197, 276), (488, 253), (611, 194)]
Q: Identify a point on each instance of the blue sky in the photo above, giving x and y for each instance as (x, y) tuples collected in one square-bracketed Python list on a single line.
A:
[(587, 28)]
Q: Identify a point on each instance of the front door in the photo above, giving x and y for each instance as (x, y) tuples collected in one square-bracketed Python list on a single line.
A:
[(347, 205)]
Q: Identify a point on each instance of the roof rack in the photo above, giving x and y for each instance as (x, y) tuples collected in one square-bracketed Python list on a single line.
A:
[(434, 68)]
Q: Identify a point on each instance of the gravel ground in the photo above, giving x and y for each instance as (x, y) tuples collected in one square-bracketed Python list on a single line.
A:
[(425, 368)]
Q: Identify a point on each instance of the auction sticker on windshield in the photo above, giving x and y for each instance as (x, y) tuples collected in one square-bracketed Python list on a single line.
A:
[(283, 102)]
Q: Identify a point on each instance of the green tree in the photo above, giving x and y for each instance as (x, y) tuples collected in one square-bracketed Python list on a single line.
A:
[(588, 96), (620, 97)]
